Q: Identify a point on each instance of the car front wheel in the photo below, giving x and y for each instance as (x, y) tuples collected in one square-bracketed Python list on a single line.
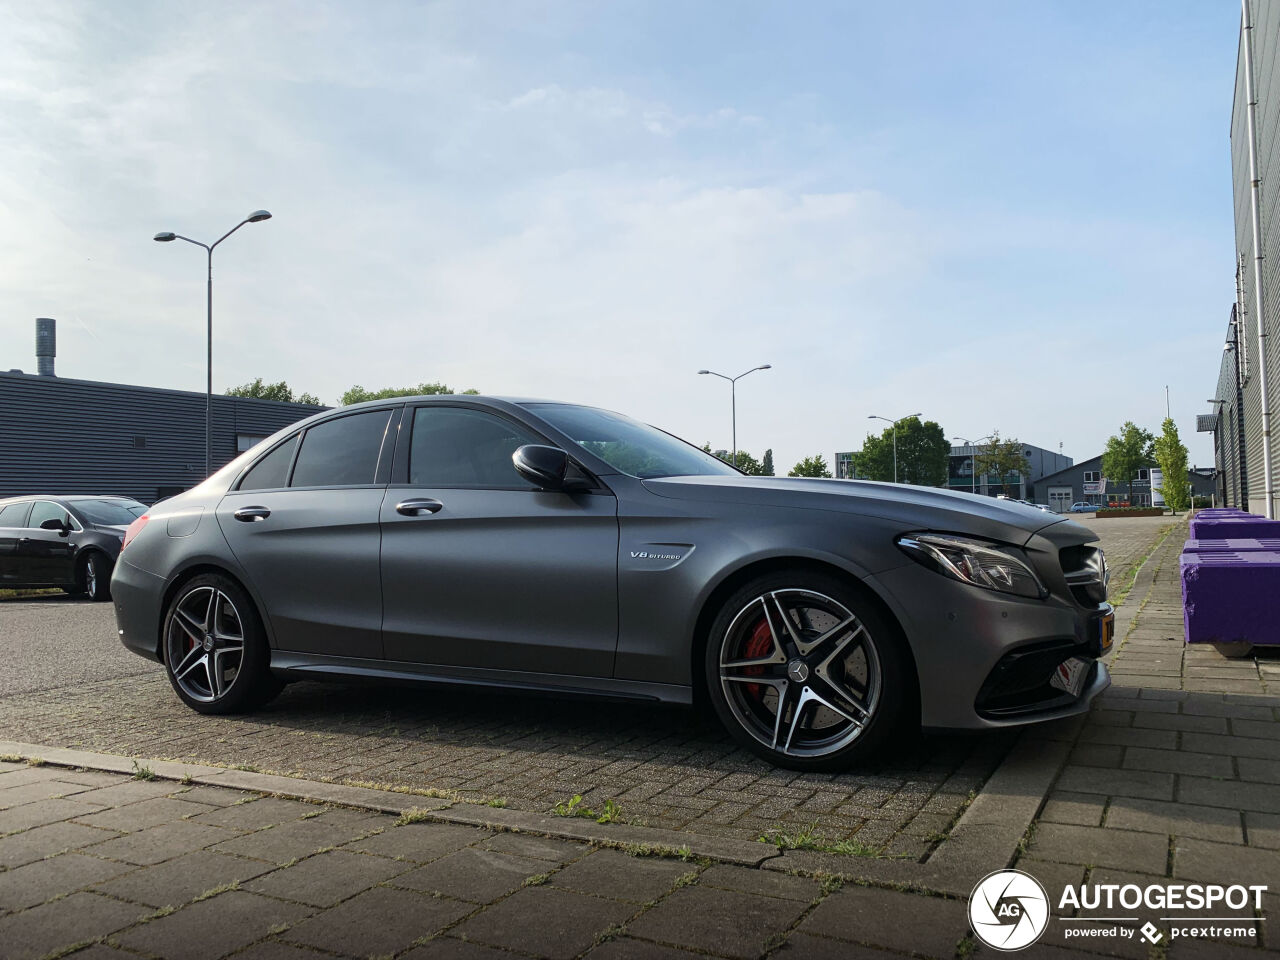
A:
[(95, 577), (805, 672), (215, 648)]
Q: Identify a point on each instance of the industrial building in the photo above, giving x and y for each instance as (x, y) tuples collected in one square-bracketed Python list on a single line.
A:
[(60, 436), (960, 466), (1084, 483), (1249, 372)]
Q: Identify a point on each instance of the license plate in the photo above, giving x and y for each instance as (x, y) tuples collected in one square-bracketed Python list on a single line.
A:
[(1069, 676), (1106, 633)]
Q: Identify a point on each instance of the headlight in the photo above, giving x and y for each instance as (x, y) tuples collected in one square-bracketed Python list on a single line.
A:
[(973, 561)]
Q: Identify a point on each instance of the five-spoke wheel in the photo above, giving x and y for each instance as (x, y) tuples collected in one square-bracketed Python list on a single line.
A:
[(215, 649), (805, 672)]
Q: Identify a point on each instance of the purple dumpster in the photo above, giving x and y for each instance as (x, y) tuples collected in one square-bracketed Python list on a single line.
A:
[(1230, 546), (1231, 598), (1234, 528)]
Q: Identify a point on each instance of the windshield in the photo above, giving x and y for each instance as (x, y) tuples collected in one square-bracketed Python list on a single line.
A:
[(116, 513), (629, 446)]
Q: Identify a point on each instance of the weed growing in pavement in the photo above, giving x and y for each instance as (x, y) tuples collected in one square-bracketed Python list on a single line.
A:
[(246, 767), (965, 947), (413, 815), (498, 802), (537, 880), (186, 780), (162, 912), (807, 838), (652, 850), (142, 772), (35, 761), (612, 813), (685, 879), (607, 934), (830, 883), (10, 758), (214, 891)]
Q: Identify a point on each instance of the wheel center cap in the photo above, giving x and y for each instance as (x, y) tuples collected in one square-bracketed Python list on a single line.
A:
[(798, 671), (208, 642)]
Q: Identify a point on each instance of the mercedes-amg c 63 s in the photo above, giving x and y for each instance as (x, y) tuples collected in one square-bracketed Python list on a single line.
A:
[(514, 544)]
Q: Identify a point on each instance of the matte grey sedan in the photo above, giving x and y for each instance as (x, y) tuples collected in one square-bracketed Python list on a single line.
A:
[(527, 545)]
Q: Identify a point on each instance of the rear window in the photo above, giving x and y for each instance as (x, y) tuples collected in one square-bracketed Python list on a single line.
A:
[(14, 515), (271, 472), (342, 452), (117, 513)]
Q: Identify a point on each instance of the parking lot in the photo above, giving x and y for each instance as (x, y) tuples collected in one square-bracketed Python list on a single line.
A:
[(67, 682)]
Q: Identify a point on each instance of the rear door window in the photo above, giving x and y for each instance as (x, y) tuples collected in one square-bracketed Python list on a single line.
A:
[(341, 452), (14, 515), (272, 471)]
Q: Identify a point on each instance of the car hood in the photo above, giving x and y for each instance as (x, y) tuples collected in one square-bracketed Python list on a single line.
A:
[(913, 508)]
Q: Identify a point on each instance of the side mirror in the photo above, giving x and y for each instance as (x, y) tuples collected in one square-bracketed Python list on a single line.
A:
[(53, 523), (544, 467)]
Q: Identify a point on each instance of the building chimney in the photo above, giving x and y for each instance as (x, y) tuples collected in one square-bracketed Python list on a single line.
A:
[(46, 345)]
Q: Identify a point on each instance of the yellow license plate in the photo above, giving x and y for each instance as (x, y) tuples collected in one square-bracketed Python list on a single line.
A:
[(1106, 633)]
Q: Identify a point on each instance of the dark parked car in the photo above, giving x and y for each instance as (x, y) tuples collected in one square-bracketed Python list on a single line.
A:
[(493, 544), (68, 542)]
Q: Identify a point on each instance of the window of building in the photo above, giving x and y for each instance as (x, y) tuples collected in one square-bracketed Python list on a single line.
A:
[(1092, 476), (271, 472), (1143, 474), (342, 452), (458, 447)]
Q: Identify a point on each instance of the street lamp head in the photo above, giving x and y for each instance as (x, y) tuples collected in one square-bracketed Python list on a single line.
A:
[(165, 236), (700, 372), (765, 366), (258, 215)]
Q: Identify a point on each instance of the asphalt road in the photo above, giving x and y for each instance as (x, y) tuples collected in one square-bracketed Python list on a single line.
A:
[(56, 641)]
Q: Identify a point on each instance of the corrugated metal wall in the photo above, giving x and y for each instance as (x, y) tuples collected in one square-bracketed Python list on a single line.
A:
[(1266, 49), (77, 436)]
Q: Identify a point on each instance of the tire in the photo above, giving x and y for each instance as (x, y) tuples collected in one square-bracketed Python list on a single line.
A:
[(95, 576), (215, 648), (1235, 650), (842, 672)]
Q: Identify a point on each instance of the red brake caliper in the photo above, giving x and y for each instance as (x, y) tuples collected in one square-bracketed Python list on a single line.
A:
[(759, 645)]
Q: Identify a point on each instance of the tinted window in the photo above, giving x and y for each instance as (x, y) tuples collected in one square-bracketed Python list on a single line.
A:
[(44, 510), (342, 452), (456, 447), (271, 471), (119, 513), (630, 446), (14, 515)]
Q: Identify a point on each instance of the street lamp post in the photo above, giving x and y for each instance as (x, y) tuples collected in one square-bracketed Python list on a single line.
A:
[(895, 437), (166, 237), (733, 399), (973, 461)]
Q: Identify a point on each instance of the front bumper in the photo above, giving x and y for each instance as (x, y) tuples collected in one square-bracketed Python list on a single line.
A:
[(984, 659), (137, 596)]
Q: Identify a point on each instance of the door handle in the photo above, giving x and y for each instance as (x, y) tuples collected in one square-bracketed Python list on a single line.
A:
[(251, 514), (417, 508)]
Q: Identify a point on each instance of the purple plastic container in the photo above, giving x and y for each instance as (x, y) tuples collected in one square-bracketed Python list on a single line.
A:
[(1231, 596), (1232, 546), (1234, 528)]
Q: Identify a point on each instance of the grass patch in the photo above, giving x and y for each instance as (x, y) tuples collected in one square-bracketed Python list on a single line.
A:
[(612, 813), (808, 838), (12, 594), (214, 891), (10, 758), (142, 772), (414, 815), (537, 880), (35, 761), (499, 802), (1130, 576), (246, 767)]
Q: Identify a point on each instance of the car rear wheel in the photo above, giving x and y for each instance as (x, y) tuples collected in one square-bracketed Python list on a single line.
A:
[(95, 577), (215, 649), (805, 672)]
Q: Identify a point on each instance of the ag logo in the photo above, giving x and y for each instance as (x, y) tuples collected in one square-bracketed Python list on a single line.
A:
[(1008, 910)]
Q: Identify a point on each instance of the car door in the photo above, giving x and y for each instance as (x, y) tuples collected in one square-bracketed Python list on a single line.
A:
[(303, 522), (13, 524), (46, 556), (479, 568)]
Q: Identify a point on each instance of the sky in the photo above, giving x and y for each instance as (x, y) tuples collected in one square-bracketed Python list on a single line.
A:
[(1007, 216)]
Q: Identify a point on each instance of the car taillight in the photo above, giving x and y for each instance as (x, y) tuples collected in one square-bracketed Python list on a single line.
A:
[(135, 528)]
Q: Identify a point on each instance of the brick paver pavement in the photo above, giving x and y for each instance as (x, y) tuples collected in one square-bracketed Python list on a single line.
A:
[(1173, 776)]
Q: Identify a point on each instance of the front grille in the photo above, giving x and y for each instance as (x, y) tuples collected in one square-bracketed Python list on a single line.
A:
[(1085, 569)]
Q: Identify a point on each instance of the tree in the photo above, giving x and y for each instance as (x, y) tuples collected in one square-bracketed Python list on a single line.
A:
[(815, 466), (923, 451), (1003, 458), (271, 391), (745, 461), (359, 394), (1171, 454), (766, 465), (1126, 453)]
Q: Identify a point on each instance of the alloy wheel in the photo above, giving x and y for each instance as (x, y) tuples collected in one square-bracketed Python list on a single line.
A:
[(800, 672), (91, 578), (205, 643)]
